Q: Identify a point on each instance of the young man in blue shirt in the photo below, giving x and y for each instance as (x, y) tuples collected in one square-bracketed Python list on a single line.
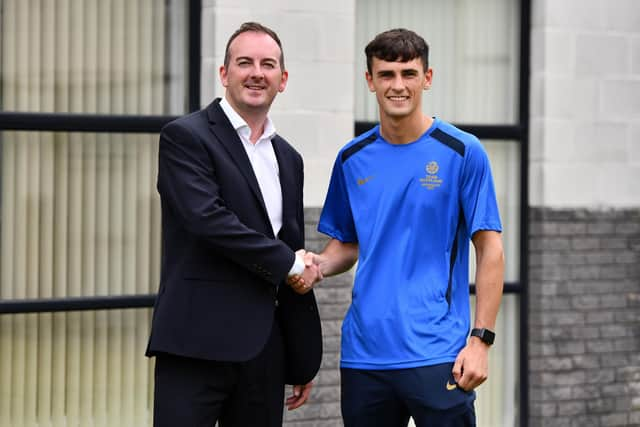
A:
[(405, 199)]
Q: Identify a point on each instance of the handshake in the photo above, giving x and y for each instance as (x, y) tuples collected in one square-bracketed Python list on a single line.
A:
[(303, 283)]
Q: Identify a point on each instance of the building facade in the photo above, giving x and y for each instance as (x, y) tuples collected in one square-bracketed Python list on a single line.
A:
[(552, 88)]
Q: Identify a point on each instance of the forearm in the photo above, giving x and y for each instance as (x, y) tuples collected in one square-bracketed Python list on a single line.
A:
[(489, 279), (193, 204), (337, 257)]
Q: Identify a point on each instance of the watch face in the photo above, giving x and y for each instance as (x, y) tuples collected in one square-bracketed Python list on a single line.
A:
[(485, 335)]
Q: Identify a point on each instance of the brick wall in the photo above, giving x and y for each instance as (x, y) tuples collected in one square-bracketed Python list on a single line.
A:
[(333, 295), (584, 313)]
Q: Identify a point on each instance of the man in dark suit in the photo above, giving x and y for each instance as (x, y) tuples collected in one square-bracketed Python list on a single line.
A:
[(227, 331)]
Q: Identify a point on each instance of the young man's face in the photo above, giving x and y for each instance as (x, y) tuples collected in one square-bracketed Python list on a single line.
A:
[(254, 75), (398, 86)]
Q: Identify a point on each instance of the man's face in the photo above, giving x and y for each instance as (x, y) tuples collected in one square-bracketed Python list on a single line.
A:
[(254, 75), (398, 86)]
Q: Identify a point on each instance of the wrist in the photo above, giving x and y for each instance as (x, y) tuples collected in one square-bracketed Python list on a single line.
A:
[(298, 266), (484, 335)]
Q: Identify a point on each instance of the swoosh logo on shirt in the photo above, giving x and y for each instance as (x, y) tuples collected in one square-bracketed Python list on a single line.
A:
[(362, 181), (451, 386)]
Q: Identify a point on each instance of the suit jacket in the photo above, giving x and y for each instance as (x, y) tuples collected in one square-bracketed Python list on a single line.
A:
[(223, 270)]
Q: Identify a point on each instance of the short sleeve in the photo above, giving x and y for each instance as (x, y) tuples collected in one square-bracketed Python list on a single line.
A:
[(336, 219), (478, 195)]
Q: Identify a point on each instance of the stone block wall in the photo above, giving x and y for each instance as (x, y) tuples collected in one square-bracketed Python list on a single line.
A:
[(333, 295), (584, 317)]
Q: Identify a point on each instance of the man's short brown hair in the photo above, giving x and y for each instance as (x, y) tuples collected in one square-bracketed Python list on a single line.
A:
[(257, 28), (398, 44)]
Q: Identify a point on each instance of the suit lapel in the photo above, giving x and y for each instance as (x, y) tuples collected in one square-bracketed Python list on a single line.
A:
[(229, 139), (288, 184)]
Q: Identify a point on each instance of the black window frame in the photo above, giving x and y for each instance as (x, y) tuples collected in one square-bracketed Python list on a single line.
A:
[(518, 132), (102, 123)]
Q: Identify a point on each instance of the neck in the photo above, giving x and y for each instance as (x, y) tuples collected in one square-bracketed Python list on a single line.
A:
[(256, 124), (403, 130), (255, 119)]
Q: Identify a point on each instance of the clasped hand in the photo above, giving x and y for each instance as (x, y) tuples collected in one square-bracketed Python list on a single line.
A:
[(303, 283)]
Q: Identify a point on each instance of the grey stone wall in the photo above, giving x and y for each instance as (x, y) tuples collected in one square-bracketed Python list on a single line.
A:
[(584, 313), (333, 295)]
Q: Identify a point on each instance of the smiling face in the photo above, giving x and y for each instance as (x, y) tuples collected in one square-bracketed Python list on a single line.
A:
[(398, 86), (254, 74)]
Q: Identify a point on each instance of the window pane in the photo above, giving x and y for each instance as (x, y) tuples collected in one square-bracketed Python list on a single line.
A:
[(80, 215), (107, 57), (505, 166), (497, 402), (473, 50), (76, 369)]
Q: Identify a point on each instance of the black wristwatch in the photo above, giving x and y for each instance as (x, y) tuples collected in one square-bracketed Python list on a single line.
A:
[(487, 336)]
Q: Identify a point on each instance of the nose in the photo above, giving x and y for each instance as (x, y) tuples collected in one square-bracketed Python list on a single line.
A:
[(256, 71), (396, 83)]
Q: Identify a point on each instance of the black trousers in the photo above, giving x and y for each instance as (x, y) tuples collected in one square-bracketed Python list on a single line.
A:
[(199, 393)]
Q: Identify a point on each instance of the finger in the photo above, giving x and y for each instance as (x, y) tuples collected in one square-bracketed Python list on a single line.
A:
[(457, 370), (295, 394), (293, 280), (308, 260), (294, 401)]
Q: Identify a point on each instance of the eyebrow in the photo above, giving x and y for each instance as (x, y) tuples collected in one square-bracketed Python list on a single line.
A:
[(405, 71), (248, 58)]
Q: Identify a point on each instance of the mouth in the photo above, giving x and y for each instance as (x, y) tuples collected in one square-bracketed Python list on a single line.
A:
[(397, 98), (254, 87)]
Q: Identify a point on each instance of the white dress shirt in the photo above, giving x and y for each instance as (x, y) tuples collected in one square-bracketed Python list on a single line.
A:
[(263, 161), (265, 167)]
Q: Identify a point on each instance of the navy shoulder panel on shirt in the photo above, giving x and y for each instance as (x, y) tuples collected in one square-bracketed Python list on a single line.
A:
[(452, 142), (358, 146)]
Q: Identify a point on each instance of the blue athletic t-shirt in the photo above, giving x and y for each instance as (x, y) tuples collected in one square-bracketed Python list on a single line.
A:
[(412, 209)]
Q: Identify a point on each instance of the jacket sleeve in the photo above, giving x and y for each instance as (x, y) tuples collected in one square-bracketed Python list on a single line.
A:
[(187, 186)]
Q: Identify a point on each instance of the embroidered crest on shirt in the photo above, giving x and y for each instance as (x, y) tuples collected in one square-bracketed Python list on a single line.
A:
[(431, 180)]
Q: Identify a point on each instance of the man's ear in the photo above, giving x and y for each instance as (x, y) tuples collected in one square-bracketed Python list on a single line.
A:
[(369, 81), (283, 82), (223, 76), (428, 79)]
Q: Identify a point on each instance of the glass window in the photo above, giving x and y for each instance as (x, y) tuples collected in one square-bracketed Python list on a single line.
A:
[(504, 157), (79, 212), (80, 215), (106, 57), (474, 49), (497, 402), (76, 369), (474, 52)]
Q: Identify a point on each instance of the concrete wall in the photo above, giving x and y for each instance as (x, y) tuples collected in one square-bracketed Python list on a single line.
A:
[(584, 287), (585, 103), (584, 284), (315, 112)]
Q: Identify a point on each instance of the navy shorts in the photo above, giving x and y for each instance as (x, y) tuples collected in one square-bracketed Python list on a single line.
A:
[(387, 398)]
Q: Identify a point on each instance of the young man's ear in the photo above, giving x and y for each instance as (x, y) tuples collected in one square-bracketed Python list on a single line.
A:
[(428, 79), (369, 81)]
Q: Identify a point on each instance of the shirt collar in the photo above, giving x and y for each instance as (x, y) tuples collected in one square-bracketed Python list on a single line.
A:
[(241, 127)]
